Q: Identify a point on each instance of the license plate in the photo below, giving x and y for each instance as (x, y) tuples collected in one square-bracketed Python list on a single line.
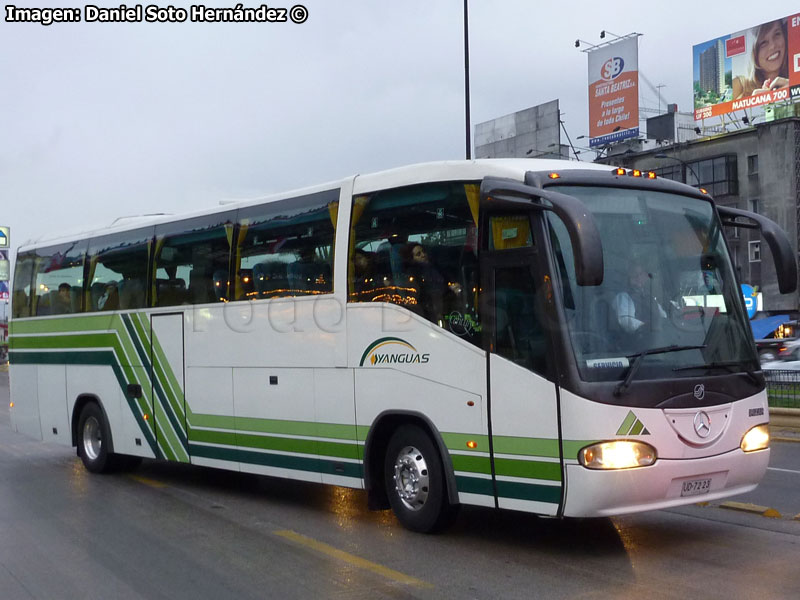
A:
[(695, 487)]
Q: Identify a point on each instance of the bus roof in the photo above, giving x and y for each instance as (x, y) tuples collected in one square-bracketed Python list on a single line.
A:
[(514, 168)]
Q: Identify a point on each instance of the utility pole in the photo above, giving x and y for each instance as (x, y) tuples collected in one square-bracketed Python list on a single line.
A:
[(466, 77)]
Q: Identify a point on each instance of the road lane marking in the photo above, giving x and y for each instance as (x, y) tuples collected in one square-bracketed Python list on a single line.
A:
[(352, 559), (146, 481), (782, 470), (764, 511)]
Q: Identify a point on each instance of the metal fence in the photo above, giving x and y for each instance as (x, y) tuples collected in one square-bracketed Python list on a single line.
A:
[(783, 388)]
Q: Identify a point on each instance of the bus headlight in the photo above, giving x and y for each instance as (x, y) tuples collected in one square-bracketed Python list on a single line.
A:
[(621, 454), (756, 439)]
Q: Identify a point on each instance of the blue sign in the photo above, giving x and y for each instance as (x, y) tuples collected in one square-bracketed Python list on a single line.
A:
[(614, 136), (750, 300)]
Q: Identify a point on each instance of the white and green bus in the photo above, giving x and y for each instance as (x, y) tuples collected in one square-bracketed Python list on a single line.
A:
[(545, 336)]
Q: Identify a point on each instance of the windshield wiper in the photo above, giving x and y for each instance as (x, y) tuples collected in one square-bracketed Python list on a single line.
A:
[(637, 361), (729, 365)]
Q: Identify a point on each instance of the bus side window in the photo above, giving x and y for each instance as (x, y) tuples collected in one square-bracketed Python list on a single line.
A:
[(21, 294), (191, 260), (58, 279), (417, 247), (286, 249), (117, 271)]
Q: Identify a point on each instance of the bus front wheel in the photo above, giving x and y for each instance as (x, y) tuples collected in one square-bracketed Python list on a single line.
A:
[(414, 479), (93, 436)]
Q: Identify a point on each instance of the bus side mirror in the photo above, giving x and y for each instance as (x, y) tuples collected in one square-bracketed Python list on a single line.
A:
[(782, 253), (587, 247)]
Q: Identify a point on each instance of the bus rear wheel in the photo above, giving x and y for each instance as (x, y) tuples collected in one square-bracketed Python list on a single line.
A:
[(93, 436), (415, 483)]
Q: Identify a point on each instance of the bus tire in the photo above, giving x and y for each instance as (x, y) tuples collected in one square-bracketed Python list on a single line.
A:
[(93, 437), (415, 483)]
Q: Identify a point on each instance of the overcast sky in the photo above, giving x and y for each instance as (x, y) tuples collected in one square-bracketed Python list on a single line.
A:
[(103, 120)]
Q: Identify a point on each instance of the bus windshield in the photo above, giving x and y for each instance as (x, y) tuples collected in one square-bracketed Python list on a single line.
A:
[(668, 284)]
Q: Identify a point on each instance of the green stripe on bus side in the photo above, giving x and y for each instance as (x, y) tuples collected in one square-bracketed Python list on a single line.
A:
[(171, 444), (296, 463), (529, 469), (474, 485), (138, 351), (90, 340), (104, 358), (458, 441), (141, 349), (637, 428), (526, 446), (64, 324), (294, 445), (572, 447), (255, 425), (65, 342), (173, 428), (529, 491), (471, 464)]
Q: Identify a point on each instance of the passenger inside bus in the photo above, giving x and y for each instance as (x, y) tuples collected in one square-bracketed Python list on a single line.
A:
[(110, 298), (434, 295), (363, 274)]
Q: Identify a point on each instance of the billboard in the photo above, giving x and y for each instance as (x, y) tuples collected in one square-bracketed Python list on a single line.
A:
[(747, 69), (614, 91)]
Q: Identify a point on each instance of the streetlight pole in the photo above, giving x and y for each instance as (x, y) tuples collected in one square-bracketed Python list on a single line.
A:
[(466, 77)]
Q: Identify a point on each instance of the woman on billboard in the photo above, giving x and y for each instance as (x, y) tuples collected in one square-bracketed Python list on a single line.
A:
[(769, 61)]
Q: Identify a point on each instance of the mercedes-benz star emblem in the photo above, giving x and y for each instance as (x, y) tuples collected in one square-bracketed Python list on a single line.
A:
[(702, 424), (699, 391)]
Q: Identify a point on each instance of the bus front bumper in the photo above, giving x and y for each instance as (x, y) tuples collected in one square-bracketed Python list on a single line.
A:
[(666, 483)]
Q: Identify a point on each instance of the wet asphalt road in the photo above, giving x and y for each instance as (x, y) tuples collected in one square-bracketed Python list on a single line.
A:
[(176, 531)]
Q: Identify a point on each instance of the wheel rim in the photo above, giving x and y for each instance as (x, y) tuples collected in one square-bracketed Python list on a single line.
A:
[(92, 438), (411, 479)]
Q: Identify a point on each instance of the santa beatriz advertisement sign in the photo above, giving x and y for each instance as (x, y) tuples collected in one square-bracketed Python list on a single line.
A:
[(614, 92)]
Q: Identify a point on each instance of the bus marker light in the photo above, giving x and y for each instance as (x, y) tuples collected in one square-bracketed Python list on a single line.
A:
[(651, 175), (146, 416), (554, 176), (620, 454), (757, 438), (10, 405), (472, 445), (620, 171), (637, 173), (703, 190)]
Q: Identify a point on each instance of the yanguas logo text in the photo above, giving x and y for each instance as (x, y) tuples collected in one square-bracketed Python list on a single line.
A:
[(612, 68), (392, 351)]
